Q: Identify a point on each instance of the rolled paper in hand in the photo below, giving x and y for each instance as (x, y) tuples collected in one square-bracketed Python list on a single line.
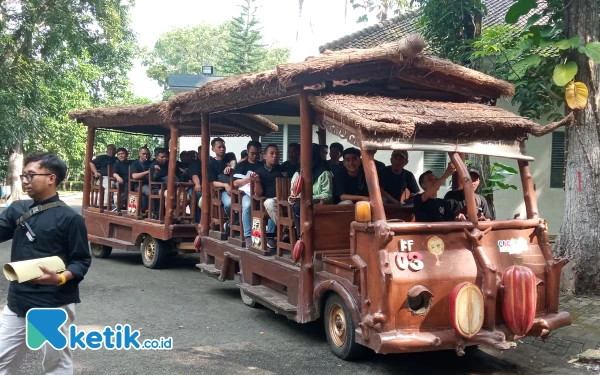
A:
[(27, 270)]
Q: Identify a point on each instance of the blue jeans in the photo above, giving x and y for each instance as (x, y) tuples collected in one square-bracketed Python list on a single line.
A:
[(226, 199), (247, 215), (197, 198)]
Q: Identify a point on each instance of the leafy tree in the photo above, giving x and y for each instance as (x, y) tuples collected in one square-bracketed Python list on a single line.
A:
[(552, 61), (384, 8), (185, 51), (56, 56), (244, 48)]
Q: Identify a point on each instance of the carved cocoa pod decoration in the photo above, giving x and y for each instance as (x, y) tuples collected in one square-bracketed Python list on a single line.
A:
[(297, 187), (519, 299), (298, 251), (466, 309)]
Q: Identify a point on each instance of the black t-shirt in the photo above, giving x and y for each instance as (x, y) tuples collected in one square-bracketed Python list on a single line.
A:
[(122, 169), (288, 169), (395, 184), (459, 196), (346, 184), (245, 166), (434, 209), (335, 168), (194, 169), (139, 167), (267, 179), (102, 162), (215, 171)]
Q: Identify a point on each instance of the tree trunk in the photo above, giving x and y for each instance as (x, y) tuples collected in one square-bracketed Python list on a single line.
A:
[(15, 169), (579, 238), (482, 164)]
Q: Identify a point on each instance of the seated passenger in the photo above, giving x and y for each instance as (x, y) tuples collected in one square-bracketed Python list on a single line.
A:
[(243, 174), (217, 167), (483, 211), (322, 186), (292, 164), (394, 179), (265, 186), (335, 153), (194, 174), (160, 173), (140, 169), (99, 167), (350, 182), (121, 174), (428, 207)]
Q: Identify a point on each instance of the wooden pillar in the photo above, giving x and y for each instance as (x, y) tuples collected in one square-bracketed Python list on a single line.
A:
[(370, 169), (322, 136), (205, 209), (305, 295), (529, 193), (455, 178), (465, 177), (171, 193), (87, 179)]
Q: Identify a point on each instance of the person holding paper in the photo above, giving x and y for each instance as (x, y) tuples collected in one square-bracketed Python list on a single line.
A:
[(243, 175), (42, 227)]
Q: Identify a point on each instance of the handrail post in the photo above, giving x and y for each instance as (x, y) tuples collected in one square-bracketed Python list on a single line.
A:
[(171, 176), (205, 209), (87, 179)]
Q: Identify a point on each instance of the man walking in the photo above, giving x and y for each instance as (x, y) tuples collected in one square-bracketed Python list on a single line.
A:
[(41, 227)]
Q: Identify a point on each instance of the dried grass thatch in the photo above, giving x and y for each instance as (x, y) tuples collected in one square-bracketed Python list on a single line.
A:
[(406, 118), (405, 48), (146, 118), (459, 72), (345, 65)]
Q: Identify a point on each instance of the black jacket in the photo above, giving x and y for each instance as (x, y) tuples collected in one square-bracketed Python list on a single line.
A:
[(59, 231)]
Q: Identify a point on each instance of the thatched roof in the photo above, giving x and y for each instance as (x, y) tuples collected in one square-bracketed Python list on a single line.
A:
[(408, 119), (150, 119), (401, 60)]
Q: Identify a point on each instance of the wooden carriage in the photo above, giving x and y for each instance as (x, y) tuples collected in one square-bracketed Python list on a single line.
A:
[(378, 278), (174, 229)]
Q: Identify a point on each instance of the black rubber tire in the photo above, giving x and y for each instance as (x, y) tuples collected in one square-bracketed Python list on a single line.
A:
[(100, 251), (158, 258), (349, 350), (247, 300)]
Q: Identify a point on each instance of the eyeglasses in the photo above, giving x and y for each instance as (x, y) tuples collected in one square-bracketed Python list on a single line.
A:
[(29, 176)]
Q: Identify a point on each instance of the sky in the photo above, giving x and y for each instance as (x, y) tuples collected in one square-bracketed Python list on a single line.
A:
[(322, 21)]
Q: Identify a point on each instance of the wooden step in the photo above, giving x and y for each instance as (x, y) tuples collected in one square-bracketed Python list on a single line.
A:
[(264, 295), (232, 256), (186, 246), (209, 269)]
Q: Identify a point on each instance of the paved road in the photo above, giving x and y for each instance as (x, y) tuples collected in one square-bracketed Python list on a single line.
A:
[(214, 333)]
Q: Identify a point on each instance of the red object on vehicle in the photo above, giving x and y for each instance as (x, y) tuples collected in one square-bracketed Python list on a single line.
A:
[(297, 187), (519, 299), (298, 251)]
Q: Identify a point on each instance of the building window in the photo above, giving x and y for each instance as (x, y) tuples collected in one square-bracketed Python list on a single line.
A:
[(436, 162), (557, 161), (285, 135)]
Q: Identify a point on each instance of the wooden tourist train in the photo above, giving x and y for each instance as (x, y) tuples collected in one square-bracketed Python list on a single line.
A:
[(173, 230), (376, 277)]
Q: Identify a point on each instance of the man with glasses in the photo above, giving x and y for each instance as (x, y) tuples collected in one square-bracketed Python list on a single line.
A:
[(39, 227), (243, 175), (99, 168), (140, 169)]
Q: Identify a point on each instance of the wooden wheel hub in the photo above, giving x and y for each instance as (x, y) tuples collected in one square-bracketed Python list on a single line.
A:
[(337, 325)]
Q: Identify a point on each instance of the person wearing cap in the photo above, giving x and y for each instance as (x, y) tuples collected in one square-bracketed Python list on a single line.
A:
[(394, 179), (483, 211), (350, 182), (428, 207)]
